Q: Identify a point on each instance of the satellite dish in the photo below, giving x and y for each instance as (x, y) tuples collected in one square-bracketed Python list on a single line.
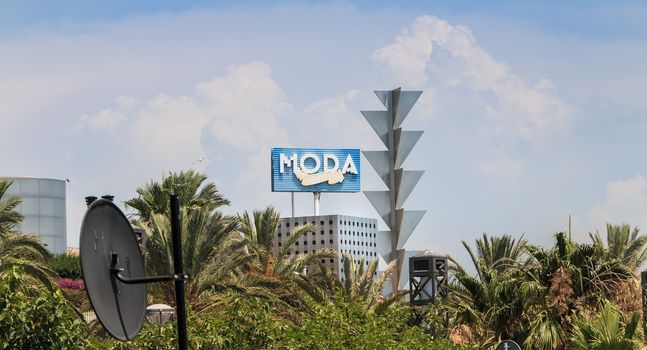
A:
[(106, 235)]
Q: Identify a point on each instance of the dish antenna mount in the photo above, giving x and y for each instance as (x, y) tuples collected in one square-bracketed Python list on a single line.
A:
[(113, 269)]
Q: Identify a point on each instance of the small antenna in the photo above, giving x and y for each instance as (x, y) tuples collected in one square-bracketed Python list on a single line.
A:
[(569, 227)]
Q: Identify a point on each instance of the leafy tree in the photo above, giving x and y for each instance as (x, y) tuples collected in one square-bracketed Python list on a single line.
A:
[(360, 284), (495, 252), (66, 266), (9, 217), (488, 303), (214, 253), (259, 231), (622, 244), (562, 283), (347, 325), (27, 252), (609, 330), (212, 250), (192, 191), (36, 318)]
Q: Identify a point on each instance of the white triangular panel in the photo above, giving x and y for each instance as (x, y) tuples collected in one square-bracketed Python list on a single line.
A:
[(404, 142), (381, 202), (380, 162), (379, 121), (407, 220), (384, 244), (384, 97), (405, 181), (405, 103)]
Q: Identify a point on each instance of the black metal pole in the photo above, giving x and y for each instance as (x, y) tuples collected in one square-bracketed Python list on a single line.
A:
[(176, 231)]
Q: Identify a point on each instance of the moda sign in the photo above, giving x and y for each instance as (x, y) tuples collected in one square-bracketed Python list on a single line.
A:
[(315, 170)]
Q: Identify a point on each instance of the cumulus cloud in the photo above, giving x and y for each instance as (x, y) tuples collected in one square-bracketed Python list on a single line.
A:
[(625, 202), (525, 110), (106, 119), (240, 109)]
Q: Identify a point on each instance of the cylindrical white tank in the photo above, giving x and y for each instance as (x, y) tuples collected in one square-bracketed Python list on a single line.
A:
[(43, 205)]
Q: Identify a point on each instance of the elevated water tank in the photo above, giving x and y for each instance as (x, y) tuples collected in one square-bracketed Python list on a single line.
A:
[(43, 205)]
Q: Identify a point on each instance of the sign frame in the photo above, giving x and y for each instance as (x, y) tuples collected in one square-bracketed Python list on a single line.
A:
[(332, 170)]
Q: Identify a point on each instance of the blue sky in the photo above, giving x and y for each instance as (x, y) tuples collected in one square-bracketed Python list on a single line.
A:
[(531, 111)]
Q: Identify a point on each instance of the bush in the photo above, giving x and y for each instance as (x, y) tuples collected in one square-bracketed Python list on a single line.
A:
[(253, 323), (66, 266), (349, 326), (36, 318)]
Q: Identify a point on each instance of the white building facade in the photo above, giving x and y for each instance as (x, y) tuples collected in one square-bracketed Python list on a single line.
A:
[(341, 233), (43, 206)]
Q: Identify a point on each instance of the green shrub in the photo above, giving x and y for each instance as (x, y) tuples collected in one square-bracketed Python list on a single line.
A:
[(36, 318), (349, 326), (253, 323), (66, 266)]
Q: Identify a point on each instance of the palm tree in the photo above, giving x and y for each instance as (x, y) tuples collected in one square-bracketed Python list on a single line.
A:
[(259, 230), (359, 283), (622, 244), (9, 217), (207, 239), (212, 250), (488, 303), (609, 330), (190, 186), (27, 252), (562, 283), (496, 252)]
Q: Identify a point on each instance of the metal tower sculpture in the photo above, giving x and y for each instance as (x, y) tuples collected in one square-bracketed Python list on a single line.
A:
[(400, 183)]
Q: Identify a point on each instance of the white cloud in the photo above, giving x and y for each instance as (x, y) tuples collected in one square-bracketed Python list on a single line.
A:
[(240, 109), (106, 119), (518, 108), (243, 107), (625, 202)]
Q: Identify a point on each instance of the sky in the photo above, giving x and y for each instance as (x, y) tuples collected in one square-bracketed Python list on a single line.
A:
[(531, 111)]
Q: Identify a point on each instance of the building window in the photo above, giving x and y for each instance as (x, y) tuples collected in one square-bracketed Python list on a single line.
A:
[(321, 222), (329, 232), (287, 234), (287, 224), (323, 261), (322, 241), (279, 244), (331, 260), (322, 232), (305, 242), (329, 222), (331, 241), (279, 234), (314, 242), (297, 243), (296, 253)]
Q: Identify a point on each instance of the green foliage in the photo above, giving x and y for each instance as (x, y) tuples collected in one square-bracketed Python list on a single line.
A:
[(609, 330), (360, 284), (252, 323), (66, 266), (349, 326), (9, 217), (245, 323), (36, 318), (27, 252)]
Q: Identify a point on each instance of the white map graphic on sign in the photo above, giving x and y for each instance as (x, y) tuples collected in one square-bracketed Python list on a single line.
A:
[(331, 176)]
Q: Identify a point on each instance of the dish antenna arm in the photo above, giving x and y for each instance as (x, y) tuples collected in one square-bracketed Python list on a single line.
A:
[(116, 273)]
